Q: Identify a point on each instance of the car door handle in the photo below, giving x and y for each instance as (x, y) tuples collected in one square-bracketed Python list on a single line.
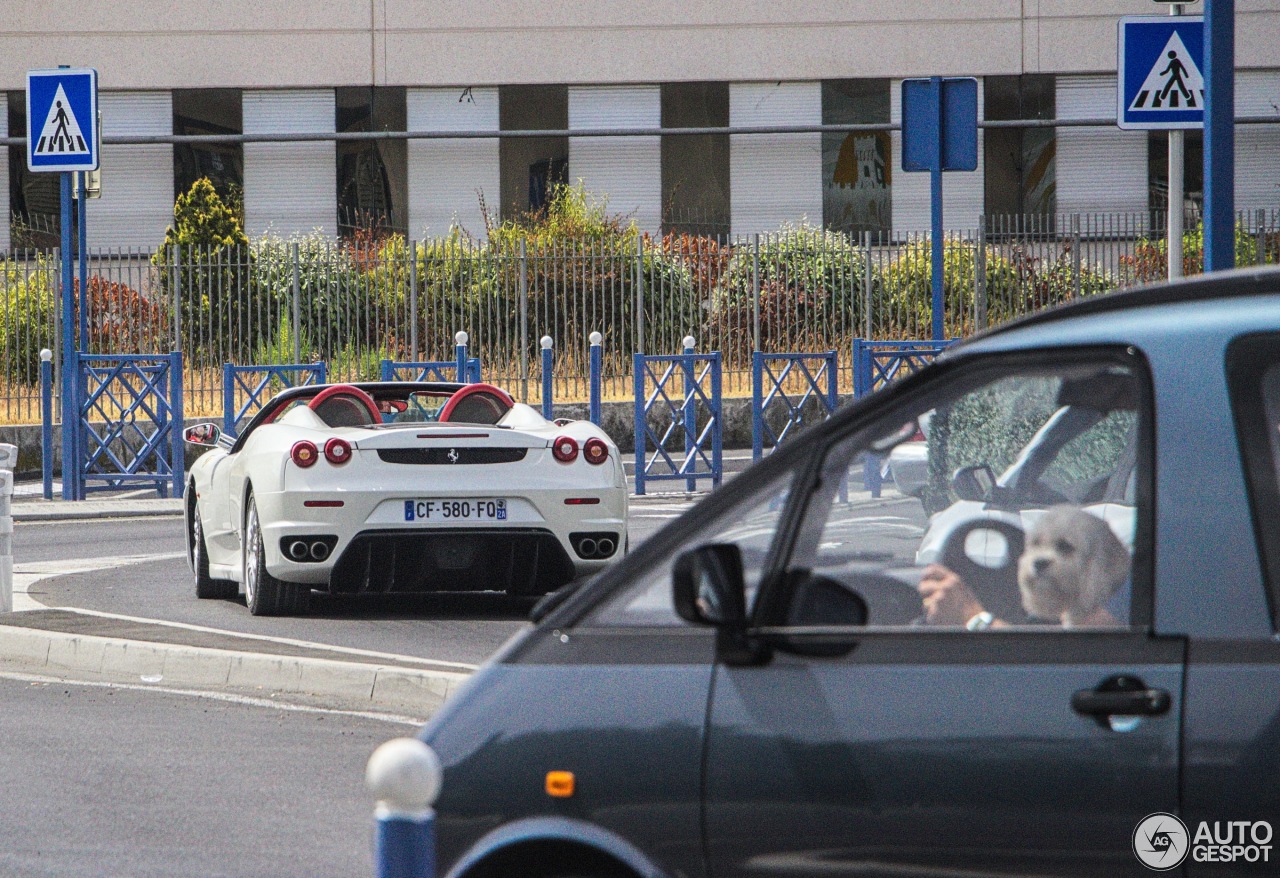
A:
[(1120, 696)]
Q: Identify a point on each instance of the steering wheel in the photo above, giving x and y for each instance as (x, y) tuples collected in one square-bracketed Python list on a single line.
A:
[(995, 587)]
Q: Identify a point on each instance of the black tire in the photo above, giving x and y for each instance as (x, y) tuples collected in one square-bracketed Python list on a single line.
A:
[(263, 593), (207, 588)]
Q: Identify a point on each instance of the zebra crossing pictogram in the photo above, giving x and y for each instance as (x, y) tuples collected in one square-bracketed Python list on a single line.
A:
[(61, 133), (1174, 83)]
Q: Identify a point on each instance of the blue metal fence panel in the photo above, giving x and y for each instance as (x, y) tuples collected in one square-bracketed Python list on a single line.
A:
[(436, 370), (877, 363), (258, 384), (129, 424), (692, 416), (813, 398)]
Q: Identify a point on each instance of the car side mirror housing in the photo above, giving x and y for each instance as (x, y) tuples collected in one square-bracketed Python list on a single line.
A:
[(206, 434), (975, 482), (709, 587)]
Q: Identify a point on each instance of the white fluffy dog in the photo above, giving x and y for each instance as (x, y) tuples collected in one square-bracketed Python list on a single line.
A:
[(1071, 567)]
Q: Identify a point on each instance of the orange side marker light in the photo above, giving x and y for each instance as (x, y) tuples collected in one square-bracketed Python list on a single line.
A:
[(560, 784)]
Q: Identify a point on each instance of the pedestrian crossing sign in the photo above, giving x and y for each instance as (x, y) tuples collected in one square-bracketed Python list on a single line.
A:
[(1160, 79), (62, 119)]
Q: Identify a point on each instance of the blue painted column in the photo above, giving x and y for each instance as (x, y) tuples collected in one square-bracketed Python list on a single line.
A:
[(82, 234), (594, 377), (1219, 135), (689, 413), (935, 213), (548, 363), (46, 422), (460, 349)]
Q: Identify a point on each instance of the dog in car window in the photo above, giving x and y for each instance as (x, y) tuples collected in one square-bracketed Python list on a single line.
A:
[(1072, 565)]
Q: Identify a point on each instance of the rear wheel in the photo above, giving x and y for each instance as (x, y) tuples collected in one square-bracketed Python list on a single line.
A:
[(264, 594), (206, 586)]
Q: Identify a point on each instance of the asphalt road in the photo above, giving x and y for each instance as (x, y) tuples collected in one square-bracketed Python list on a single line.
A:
[(115, 782), (464, 628)]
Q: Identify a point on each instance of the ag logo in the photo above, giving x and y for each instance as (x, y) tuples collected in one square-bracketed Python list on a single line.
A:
[(1161, 842)]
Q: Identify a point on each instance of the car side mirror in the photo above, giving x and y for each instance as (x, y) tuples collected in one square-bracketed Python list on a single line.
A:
[(709, 587), (975, 482), (206, 434)]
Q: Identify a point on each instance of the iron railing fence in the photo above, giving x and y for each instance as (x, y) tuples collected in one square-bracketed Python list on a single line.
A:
[(352, 304)]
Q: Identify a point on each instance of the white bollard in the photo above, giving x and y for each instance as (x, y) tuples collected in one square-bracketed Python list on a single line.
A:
[(8, 461)]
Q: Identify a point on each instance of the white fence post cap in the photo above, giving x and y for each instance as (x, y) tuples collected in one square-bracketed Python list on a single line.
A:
[(547, 342), (690, 341), (46, 355), (460, 338), (595, 338), (404, 775)]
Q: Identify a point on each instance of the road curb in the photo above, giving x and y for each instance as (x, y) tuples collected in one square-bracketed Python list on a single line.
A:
[(354, 684), (28, 515)]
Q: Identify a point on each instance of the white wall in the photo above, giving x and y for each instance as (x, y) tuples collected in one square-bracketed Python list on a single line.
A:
[(447, 177), (1098, 170), (774, 178), (963, 192), (628, 171), (137, 179), (290, 187)]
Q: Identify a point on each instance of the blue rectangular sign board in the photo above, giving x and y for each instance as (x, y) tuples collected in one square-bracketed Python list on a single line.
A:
[(1160, 60), (941, 108), (62, 119)]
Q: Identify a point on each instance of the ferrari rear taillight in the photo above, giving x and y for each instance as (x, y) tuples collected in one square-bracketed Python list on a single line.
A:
[(304, 453), (337, 451), (595, 451), (565, 449)]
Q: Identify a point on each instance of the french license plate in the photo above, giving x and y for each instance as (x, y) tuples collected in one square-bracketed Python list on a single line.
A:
[(455, 510)]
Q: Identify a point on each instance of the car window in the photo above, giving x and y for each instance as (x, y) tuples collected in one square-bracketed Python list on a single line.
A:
[(1048, 541), (751, 525), (1256, 399)]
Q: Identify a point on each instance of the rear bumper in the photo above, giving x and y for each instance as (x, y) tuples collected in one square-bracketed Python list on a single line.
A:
[(515, 560)]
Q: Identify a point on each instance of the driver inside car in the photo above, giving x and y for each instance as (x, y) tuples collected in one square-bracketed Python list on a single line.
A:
[(1073, 571)]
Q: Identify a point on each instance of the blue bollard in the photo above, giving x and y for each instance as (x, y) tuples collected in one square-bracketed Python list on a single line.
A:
[(547, 362), (46, 422), (690, 414), (460, 341), (404, 775), (597, 366)]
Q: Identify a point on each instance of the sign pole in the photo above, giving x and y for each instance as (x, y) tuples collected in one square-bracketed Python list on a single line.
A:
[(82, 232), (1219, 134), (1177, 188), (935, 186), (69, 413)]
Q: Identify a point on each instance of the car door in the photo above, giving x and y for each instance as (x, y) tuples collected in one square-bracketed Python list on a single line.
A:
[(950, 740)]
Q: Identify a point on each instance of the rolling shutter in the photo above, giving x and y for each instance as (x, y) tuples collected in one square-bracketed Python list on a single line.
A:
[(290, 187), (774, 178), (1257, 146), (963, 192), (448, 177), (137, 179), (1099, 170), (625, 170)]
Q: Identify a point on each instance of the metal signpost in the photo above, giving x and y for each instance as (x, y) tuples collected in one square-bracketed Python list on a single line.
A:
[(1219, 135), (939, 133), (62, 138), (1160, 85)]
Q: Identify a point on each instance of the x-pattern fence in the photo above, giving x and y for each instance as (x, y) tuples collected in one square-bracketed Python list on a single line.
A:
[(130, 423), (877, 363), (245, 389), (679, 419), (437, 370), (788, 392)]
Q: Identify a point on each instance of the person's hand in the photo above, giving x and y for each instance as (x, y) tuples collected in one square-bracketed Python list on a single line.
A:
[(946, 599)]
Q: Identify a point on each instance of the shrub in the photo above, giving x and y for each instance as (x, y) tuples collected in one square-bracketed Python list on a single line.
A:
[(123, 321), (27, 317), (908, 288), (1042, 283), (811, 292), (1149, 261), (212, 277)]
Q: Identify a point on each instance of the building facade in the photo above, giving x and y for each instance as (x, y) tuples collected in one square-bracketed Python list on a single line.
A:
[(297, 67)]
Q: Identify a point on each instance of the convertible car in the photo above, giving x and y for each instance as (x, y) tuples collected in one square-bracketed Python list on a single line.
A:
[(399, 486)]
